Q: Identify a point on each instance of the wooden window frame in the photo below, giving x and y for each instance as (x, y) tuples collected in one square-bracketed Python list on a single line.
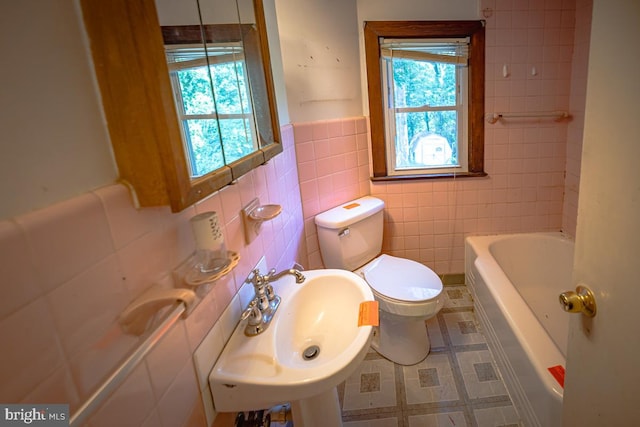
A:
[(373, 32)]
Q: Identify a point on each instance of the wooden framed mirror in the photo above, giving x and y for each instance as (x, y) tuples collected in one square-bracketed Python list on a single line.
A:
[(147, 122)]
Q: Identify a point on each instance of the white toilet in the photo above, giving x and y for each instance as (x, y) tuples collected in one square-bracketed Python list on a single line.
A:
[(408, 293)]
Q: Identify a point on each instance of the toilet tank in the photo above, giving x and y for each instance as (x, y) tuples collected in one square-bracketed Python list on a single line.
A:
[(350, 235)]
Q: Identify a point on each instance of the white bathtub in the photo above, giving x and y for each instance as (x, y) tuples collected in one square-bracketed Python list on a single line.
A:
[(515, 280)]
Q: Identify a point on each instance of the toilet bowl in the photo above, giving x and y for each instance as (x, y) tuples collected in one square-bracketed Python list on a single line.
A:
[(408, 293)]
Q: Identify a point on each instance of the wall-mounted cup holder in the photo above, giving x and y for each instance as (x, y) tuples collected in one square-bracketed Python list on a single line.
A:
[(254, 214)]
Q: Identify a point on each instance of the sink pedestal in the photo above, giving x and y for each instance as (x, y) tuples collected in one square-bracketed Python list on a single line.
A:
[(322, 410)]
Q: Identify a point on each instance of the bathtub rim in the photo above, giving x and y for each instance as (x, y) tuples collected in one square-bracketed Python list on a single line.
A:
[(534, 340)]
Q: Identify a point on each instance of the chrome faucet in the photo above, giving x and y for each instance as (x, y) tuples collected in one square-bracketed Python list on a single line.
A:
[(272, 275), (262, 308)]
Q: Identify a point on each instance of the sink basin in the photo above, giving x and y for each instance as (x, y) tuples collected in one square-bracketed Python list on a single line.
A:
[(312, 345)]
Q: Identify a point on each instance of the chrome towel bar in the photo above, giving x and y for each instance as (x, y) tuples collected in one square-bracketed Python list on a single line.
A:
[(557, 115), (126, 367)]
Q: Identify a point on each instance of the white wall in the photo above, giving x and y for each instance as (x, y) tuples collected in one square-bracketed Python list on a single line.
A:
[(408, 10), (53, 141), (400, 10), (319, 41)]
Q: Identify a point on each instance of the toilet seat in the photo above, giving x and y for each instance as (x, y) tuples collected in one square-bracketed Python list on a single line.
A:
[(402, 279), (403, 286)]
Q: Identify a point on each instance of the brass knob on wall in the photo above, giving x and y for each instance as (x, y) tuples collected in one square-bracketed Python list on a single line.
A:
[(580, 301)]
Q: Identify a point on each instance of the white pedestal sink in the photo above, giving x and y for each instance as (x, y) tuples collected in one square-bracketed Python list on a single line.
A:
[(312, 345)]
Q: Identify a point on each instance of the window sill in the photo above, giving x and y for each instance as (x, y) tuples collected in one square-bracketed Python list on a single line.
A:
[(430, 176)]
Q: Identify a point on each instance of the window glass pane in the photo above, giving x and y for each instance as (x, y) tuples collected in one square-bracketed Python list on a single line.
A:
[(419, 83), (420, 107), (218, 127), (231, 91), (243, 86), (204, 149), (196, 91), (426, 139), (237, 138)]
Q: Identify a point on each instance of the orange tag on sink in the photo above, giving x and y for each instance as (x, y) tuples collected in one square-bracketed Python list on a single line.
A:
[(368, 314)]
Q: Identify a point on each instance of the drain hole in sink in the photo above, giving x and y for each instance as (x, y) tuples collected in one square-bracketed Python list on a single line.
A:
[(311, 352)]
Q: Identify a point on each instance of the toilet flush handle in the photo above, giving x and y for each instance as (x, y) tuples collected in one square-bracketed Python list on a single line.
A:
[(344, 232)]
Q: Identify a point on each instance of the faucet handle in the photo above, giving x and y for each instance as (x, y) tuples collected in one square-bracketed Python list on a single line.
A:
[(257, 279), (253, 313)]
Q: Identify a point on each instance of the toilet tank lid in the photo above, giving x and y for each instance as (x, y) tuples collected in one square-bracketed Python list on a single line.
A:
[(349, 213)]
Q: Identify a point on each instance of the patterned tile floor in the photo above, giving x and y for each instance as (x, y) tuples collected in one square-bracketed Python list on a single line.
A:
[(458, 384)]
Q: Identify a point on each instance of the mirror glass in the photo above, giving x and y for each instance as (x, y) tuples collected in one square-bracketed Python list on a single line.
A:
[(217, 73)]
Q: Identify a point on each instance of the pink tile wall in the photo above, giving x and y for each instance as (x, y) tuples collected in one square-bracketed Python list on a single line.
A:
[(70, 269), (333, 167), (525, 159)]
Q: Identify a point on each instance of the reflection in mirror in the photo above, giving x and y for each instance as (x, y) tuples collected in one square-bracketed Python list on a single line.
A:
[(218, 83), (148, 128), (211, 91), (252, 40)]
